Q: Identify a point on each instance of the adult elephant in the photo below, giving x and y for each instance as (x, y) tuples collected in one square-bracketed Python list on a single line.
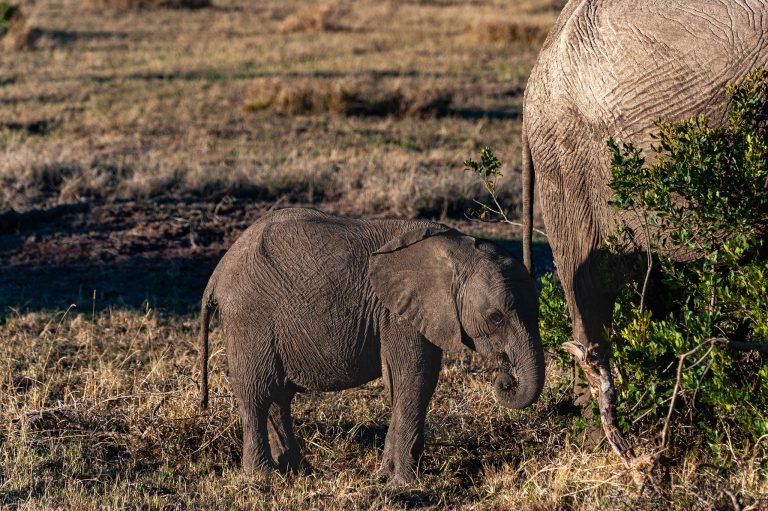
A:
[(612, 69)]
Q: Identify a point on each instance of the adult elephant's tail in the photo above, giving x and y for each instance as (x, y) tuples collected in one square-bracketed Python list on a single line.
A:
[(206, 307), (528, 187)]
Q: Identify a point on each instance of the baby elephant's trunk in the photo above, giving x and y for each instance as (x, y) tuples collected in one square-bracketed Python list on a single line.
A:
[(519, 384), (205, 316)]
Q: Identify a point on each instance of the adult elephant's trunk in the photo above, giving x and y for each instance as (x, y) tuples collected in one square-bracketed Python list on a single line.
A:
[(521, 376)]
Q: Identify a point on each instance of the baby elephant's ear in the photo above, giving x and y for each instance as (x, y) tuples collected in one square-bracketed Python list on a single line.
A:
[(413, 276)]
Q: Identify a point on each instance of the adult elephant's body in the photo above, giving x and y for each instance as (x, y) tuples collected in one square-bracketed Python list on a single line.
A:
[(612, 69), (310, 301)]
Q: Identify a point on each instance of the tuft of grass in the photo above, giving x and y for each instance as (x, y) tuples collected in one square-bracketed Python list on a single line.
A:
[(15, 31), (360, 98), (167, 118), (9, 15), (147, 4), (313, 18), (509, 32)]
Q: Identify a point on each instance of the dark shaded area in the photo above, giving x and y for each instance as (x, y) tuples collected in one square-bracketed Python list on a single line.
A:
[(12, 221), (37, 127), (64, 37), (174, 285), (414, 499), (369, 435), (543, 261), (486, 113), (114, 255), (20, 496)]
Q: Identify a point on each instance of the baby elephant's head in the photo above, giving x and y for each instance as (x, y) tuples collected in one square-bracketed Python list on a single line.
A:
[(461, 291)]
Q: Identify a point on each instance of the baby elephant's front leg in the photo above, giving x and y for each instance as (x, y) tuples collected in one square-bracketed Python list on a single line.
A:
[(411, 367)]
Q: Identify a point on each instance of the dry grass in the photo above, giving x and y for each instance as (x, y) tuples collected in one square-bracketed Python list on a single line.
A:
[(508, 32), (388, 177), (16, 33), (358, 98), (22, 38), (152, 106), (313, 17), (101, 412), (147, 4)]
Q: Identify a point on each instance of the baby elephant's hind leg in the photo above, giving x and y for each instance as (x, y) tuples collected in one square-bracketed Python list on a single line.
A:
[(256, 456), (253, 373), (285, 449)]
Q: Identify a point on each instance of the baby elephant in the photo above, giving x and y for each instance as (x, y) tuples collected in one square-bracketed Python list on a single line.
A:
[(310, 301)]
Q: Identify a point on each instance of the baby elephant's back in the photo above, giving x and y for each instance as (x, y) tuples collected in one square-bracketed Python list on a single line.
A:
[(300, 278), (290, 251)]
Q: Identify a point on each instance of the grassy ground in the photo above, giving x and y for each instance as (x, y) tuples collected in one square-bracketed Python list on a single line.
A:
[(234, 99), (100, 412), (170, 131)]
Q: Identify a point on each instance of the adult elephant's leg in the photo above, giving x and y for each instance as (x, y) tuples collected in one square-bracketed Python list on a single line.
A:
[(590, 276), (411, 367), (285, 448), (592, 351), (590, 288)]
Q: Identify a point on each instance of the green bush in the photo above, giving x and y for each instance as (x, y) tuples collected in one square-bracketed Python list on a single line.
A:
[(554, 319), (704, 198)]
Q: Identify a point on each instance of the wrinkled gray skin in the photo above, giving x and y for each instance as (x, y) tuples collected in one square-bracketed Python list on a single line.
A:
[(611, 69), (310, 301)]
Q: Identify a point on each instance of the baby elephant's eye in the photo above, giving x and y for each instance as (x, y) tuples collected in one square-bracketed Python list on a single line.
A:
[(496, 318)]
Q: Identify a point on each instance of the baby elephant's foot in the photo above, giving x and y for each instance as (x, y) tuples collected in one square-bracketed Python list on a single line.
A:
[(259, 467), (387, 467), (290, 463)]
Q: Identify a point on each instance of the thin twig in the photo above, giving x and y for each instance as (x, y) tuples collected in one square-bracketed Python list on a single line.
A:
[(500, 212), (649, 258), (734, 500), (728, 343), (678, 379)]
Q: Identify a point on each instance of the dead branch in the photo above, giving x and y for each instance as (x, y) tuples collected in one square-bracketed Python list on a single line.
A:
[(595, 365)]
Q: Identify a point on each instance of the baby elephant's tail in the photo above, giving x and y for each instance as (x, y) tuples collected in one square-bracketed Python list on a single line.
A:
[(206, 307)]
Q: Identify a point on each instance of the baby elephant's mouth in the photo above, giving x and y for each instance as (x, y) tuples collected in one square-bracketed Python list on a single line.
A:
[(504, 383), (510, 386)]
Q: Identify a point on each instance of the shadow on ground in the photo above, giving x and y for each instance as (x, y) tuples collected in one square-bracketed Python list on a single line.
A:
[(114, 255), (173, 285)]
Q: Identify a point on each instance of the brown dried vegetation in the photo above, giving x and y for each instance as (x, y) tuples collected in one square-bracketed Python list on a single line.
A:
[(142, 119), (313, 17), (369, 98), (101, 411), (16, 33), (147, 4), (508, 32)]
